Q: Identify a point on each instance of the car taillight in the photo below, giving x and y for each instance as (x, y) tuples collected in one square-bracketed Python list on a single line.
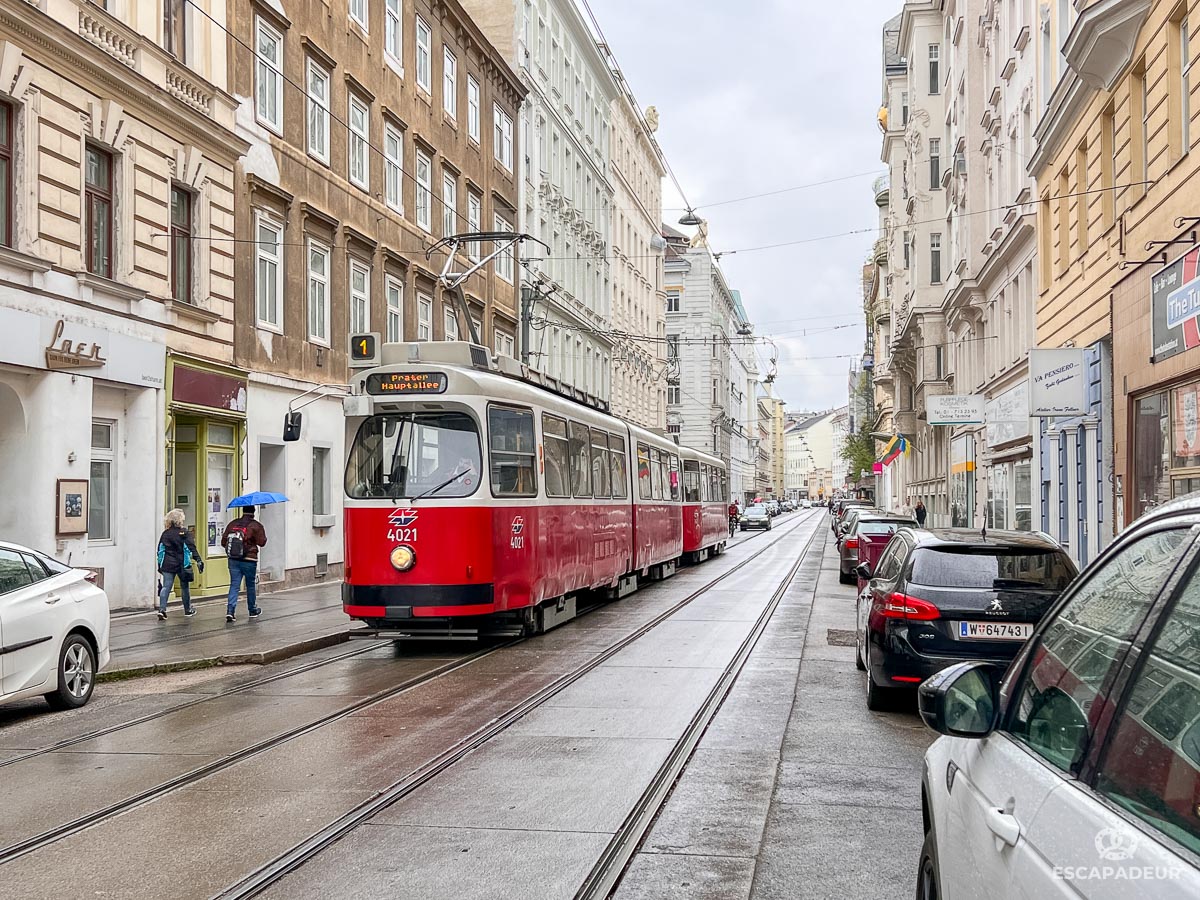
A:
[(902, 606), (852, 543)]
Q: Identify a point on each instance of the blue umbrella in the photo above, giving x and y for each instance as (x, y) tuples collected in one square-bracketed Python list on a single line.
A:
[(257, 498)]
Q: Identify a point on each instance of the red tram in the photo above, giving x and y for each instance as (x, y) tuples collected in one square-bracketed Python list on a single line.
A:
[(478, 500)]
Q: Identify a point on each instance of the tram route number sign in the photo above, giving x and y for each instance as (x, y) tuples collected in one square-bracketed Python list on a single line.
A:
[(388, 383)]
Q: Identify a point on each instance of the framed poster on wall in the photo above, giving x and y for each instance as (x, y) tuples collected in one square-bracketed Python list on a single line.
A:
[(71, 506)]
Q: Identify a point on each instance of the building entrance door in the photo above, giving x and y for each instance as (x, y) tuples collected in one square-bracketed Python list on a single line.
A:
[(206, 476)]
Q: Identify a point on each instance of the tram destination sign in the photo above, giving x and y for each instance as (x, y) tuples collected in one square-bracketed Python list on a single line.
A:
[(387, 383)]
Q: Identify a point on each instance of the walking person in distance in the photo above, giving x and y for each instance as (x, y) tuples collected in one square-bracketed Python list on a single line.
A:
[(177, 554), (921, 513), (241, 540)]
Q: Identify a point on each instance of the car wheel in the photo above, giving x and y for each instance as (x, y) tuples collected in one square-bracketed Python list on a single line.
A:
[(843, 578), (929, 881), (878, 698), (76, 674)]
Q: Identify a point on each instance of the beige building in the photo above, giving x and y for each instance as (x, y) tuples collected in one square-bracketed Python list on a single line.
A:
[(404, 133), (639, 384), (1118, 266), (117, 153), (777, 426)]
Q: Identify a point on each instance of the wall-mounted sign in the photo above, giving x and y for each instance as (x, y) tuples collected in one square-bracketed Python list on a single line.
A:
[(64, 353), (1008, 416), (58, 343), (955, 409), (406, 383), (1175, 307), (1058, 382)]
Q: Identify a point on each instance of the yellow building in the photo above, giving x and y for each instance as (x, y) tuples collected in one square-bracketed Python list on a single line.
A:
[(1115, 173)]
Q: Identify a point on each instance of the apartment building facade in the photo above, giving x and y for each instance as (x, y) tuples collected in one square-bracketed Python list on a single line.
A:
[(374, 130), (117, 146), (639, 383), (565, 183)]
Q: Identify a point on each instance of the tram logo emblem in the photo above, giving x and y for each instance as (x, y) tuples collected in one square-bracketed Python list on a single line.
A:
[(402, 518), (518, 525), (518, 533)]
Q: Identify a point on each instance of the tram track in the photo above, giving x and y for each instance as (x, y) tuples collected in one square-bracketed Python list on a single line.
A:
[(273, 872), (51, 836)]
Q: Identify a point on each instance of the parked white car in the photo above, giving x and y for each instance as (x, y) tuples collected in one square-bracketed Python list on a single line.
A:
[(54, 629), (1076, 772)]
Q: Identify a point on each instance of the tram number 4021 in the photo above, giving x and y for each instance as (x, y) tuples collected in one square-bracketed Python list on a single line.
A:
[(402, 535), (517, 542)]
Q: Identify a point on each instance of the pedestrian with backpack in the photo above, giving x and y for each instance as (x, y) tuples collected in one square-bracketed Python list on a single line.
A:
[(241, 540), (177, 554)]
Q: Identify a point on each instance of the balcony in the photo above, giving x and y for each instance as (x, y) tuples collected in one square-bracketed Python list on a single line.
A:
[(882, 190)]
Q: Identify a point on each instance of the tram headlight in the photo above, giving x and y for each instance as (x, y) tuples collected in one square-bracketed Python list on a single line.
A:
[(403, 558)]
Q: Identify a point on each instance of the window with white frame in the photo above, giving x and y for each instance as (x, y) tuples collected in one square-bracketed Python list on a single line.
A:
[(318, 292), (505, 345), (393, 167), (504, 262), (268, 76), (449, 204), (318, 112), (424, 317), (503, 137), (100, 484), (673, 298), (320, 482), (472, 108), (394, 291), (450, 324), (449, 82), (424, 56), (478, 330), (424, 190), (360, 140), (935, 259), (268, 272), (360, 297), (935, 80), (673, 394), (359, 13), (474, 221), (393, 29)]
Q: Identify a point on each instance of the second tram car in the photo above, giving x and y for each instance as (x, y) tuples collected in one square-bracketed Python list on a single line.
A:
[(478, 501)]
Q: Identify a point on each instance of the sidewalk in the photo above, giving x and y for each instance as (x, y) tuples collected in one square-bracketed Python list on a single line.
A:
[(292, 622)]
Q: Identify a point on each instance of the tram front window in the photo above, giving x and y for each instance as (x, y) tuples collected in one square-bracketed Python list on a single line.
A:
[(410, 454)]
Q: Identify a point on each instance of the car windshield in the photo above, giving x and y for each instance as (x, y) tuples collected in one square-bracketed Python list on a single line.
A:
[(406, 454), (992, 568), (756, 510), (880, 526)]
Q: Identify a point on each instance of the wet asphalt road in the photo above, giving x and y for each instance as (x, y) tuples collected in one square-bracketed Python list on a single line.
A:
[(796, 790)]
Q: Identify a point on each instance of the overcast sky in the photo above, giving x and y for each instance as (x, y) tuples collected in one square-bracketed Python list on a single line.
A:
[(757, 96)]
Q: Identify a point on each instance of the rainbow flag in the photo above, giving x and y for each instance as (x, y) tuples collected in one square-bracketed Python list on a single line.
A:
[(896, 446)]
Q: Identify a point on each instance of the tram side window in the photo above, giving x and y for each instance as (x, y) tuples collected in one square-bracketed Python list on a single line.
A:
[(600, 474), (656, 472), (558, 456), (514, 452), (675, 486), (581, 460), (691, 481), (724, 498), (620, 477), (643, 462)]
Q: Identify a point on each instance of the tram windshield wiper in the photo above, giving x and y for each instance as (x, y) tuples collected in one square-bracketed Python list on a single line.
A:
[(453, 478)]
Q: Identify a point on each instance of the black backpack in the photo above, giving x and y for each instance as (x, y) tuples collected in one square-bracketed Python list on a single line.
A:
[(235, 542)]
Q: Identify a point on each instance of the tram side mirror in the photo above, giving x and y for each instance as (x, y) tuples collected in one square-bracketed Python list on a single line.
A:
[(292, 422)]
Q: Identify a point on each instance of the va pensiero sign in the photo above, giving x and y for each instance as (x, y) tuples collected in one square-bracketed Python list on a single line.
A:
[(1175, 307)]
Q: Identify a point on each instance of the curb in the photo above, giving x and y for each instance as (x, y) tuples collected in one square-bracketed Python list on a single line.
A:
[(260, 658)]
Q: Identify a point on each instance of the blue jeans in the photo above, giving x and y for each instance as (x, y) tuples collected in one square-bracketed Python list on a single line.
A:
[(239, 569), (185, 588)]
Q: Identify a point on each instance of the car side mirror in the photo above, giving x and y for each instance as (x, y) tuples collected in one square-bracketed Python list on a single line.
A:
[(863, 571), (292, 422), (963, 700)]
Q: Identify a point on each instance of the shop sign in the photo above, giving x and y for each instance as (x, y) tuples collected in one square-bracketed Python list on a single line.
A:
[(1008, 416), (214, 390), (58, 344), (1175, 307), (955, 409), (1058, 382)]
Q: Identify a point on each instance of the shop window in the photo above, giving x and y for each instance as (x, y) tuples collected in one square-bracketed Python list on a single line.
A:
[(513, 452), (1023, 497), (100, 485), (320, 481), (7, 172), (1151, 436)]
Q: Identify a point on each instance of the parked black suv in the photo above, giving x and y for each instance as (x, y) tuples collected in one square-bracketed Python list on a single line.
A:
[(943, 596)]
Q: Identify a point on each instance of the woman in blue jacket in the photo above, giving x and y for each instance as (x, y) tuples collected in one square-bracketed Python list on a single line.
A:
[(177, 554)]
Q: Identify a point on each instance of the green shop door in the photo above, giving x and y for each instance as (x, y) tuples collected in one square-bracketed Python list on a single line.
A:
[(207, 475)]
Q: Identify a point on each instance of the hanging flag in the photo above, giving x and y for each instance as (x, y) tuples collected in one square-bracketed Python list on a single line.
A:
[(895, 447)]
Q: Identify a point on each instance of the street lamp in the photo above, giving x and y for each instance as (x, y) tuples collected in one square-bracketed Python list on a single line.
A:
[(690, 218)]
